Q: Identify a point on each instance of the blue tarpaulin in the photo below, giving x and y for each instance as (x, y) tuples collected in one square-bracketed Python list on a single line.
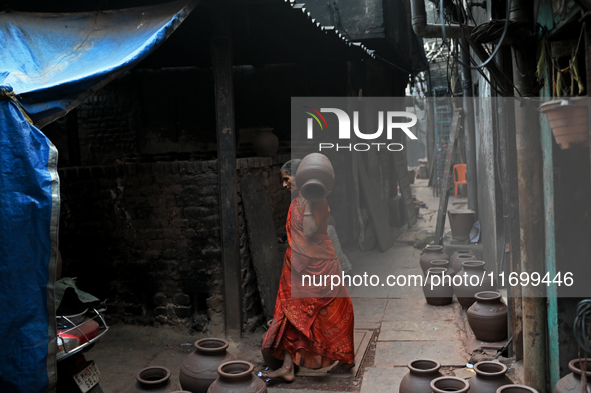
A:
[(52, 62)]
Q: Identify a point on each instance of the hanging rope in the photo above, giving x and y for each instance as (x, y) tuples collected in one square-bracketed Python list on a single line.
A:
[(8, 94)]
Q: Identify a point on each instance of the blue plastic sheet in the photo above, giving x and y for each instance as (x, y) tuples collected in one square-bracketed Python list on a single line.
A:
[(53, 61)]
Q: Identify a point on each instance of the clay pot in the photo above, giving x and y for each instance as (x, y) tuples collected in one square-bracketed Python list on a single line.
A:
[(236, 376), (421, 373), (432, 253), (199, 369), (461, 222), (516, 389), (449, 384), (455, 262), (265, 143), (271, 361), (489, 377), (488, 317), (154, 380), (568, 122), (443, 264), (437, 289), (466, 286), (315, 177), (571, 383)]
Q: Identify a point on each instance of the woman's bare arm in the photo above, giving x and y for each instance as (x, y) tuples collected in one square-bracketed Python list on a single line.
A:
[(310, 224)]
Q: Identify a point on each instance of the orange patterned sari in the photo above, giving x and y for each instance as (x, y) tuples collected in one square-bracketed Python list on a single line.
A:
[(316, 331)]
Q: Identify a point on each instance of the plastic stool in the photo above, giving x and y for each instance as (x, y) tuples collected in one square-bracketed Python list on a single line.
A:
[(459, 176)]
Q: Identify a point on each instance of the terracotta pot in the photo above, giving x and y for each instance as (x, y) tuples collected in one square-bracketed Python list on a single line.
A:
[(455, 262), (438, 289), (432, 253), (443, 264), (236, 376), (271, 361), (315, 177), (421, 373), (568, 122), (472, 279), (489, 377), (265, 143), (449, 384), (461, 222), (154, 380), (516, 389), (571, 383), (488, 317), (199, 369)]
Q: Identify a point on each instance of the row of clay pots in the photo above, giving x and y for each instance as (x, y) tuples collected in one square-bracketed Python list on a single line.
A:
[(435, 252), (424, 377)]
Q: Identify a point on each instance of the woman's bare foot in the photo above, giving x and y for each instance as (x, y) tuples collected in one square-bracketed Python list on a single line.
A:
[(341, 368), (281, 373)]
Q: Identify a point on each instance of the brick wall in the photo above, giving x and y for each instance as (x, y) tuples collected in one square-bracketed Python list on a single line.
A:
[(147, 237)]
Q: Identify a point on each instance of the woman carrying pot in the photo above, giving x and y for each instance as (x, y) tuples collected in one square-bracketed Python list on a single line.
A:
[(312, 326)]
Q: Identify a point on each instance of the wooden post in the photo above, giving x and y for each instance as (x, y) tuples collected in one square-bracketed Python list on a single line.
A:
[(221, 59), (73, 138)]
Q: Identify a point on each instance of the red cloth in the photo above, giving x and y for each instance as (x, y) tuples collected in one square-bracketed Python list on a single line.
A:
[(318, 330)]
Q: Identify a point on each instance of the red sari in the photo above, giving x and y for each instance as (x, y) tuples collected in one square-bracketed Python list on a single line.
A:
[(318, 330)]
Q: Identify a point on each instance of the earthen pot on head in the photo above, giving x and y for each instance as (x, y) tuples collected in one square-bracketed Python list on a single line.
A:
[(153, 379), (572, 382), (472, 279), (421, 373), (489, 377), (488, 317), (199, 369), (432, 253), (315, 177), (237, 376)]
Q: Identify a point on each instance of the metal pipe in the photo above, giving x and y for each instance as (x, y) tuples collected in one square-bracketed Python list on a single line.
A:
[(420, 26)]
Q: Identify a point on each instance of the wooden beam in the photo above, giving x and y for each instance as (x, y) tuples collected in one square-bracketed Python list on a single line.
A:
[(221, 59)]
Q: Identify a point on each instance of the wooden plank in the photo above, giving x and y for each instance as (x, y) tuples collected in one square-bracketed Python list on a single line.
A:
[(375, 206), (401, 167), (444, 196), (262, 241), (221, 58)]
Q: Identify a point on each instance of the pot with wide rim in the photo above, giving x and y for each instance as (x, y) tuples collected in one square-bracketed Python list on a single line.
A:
[(472, 279), (516, 389), (489, 377), (443, 263), (153, 379), (572, 382), (432, 253), (488, 317), (199, 369), (456, 260), (421, 373), (438, 288), (449, 384), (237, 376)]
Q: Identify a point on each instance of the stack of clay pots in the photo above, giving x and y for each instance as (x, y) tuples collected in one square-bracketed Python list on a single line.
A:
[(424, 376)]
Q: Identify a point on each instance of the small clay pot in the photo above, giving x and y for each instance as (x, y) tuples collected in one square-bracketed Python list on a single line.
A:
[(516, 389), (444, 264), (455, 262), (438, 289), (315, 177), (271, 361), (466, 285), (199, 369), (488, 317), (236, 376), (432, 253), (154, 379), (489, 377), (421, 373), (572, 382), (461, 222), (449, 384)]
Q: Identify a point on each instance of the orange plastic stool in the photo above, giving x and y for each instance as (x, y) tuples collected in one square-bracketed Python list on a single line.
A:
[(459, 176)]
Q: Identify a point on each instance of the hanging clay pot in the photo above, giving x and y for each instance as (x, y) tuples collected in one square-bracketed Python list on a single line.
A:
[(488, 317), (265, 143), (472, 279), (153, 380), (461, 221), (455, 262), (199, 369), (432, 253), (438, 290), (236, 376), (444, 264), (449, 384), (315, 177), (571, 383), (489, 377), (568, 119), (271, 361), (516, 389), (421, 373)]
